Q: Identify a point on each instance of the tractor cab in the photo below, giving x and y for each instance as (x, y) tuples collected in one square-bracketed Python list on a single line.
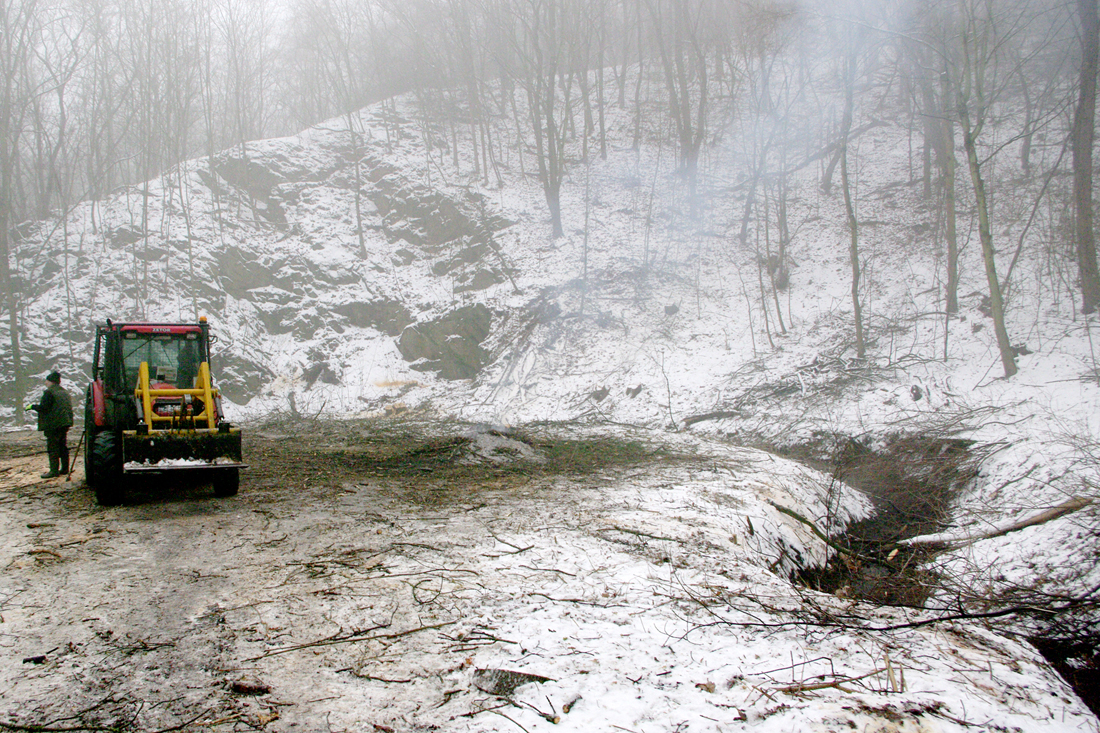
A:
[(172, 355)]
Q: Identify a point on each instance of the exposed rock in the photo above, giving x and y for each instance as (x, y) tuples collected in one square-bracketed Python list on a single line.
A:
[(294, 276), (430, 219), (330, 273), (306, 322), (481, 280), (473, 253), (49, 269), (271, 294), (377, 170), (27, 230), (276, 318), (241, 271), (151, 252), (320, 371), (270, 209), (387, 316), (295, 288), (267, 164), (124, 235), (239, 378), (249, 174), (544, 309), (450, 345)]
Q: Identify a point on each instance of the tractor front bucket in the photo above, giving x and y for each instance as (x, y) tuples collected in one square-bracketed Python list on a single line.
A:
[(165, 450)]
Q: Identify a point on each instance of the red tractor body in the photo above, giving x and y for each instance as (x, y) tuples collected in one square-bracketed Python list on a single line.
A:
[(152, 407)]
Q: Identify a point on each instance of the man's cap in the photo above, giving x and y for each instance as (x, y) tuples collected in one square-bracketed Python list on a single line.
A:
[(54, 377)]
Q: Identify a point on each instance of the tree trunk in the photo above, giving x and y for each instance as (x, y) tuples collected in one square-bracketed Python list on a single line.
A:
[(16, 32), (600, 89), (951, 227), (949, 166), (985, 233), (849, 208), (356, 151), (1083, 135)]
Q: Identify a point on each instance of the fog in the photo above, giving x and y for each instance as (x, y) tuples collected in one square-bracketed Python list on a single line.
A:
[(99, 95)]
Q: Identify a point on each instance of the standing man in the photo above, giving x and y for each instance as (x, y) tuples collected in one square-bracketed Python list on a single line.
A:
[(55, 417)]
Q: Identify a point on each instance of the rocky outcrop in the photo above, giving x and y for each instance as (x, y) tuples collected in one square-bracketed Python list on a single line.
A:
[(450, 345), (240, 271), (238, 377), (299, 240), (387, 316)]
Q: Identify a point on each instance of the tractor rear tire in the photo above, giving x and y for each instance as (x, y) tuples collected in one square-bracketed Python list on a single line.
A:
[(105, 469), (89, 436), (227, 481), (89, 464)]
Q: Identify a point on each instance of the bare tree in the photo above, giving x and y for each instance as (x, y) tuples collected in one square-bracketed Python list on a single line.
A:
[(99, 98), (685, 31), (18, 87), (948, 166), (927, 72), (542, 35), (58, 57), (244, 28), (1084, 131), (981, 40), (849, 207)]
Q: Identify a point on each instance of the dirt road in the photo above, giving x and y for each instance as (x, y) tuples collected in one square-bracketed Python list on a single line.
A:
[(350, 560)]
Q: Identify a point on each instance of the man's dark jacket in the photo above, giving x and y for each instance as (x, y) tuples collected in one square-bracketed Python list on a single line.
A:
[(55, 409)]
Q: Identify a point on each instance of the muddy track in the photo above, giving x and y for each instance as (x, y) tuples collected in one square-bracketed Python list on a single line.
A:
[(340, 562)]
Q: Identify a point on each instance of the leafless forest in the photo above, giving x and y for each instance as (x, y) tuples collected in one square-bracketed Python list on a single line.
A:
[(103, 93)]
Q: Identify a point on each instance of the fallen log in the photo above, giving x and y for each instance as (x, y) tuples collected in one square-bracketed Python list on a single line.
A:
[(719, 415), (1067, 507)]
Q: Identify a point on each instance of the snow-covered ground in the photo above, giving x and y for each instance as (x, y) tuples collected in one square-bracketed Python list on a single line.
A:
[(653, 597)]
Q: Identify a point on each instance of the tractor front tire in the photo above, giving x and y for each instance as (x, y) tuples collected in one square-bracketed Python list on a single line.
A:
[(227, 481), (105, 469)]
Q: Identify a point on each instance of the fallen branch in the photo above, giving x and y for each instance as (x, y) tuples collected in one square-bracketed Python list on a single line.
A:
[(516, 549), (637, 533), (184, 724), (220, 721), (374, 678), (44, 729), (718, 415), (824, 538), (578, 601), (85, 538), (348, 638), (1068, 507), (51, 728), (799, 687), (548, 570), (855, 625)]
